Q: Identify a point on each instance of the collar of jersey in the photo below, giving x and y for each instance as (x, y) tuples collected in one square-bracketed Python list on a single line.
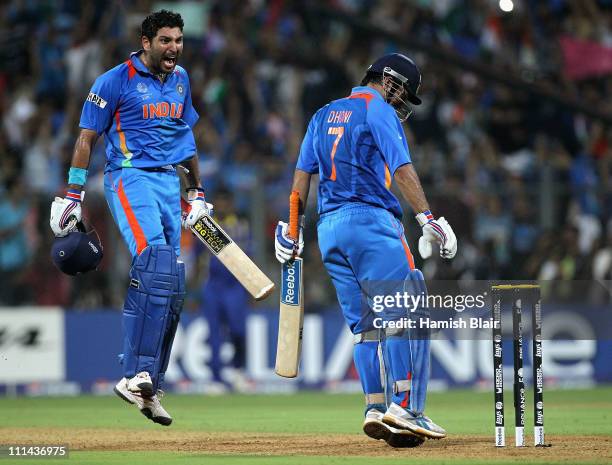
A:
[(367, 90), (137, 62)]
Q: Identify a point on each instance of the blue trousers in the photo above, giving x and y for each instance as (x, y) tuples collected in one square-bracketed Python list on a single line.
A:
[(146, 206), (366, 254), (225, 309), (360, 244)]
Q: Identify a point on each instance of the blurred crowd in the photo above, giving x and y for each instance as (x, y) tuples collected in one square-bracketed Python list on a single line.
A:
[(524, 181)]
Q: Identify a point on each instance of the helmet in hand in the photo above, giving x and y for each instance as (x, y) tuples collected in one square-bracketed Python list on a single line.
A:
[(77, 252)]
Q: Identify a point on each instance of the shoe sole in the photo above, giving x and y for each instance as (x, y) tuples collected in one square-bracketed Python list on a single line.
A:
[(422, 432), (404, 441), (395, 438), (376, 429), (165, 421)]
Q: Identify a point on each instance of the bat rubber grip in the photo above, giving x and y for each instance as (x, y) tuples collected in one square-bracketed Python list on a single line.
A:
[(294, 208)]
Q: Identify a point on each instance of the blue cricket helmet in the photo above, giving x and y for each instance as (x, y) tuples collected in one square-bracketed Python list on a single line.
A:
[(401, 68), (77, 252)]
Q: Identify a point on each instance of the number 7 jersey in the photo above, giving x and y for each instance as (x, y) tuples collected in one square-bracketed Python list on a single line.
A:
[(355, 144)]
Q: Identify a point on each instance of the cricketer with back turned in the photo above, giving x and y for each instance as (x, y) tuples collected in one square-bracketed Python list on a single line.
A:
[(143, 107), (357, 146)]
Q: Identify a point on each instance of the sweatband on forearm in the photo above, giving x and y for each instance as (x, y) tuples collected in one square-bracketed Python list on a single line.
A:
[(77, 176), (195, 193), (424, 217)]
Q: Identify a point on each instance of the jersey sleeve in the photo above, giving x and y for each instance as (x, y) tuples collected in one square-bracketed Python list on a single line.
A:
[(101, 103), (307, 161), (190, 115), (388, 135)]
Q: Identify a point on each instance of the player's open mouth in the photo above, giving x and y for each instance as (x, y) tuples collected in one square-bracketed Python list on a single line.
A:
[(169, 62)]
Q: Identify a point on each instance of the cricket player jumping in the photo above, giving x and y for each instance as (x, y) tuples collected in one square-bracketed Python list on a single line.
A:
[(143, 107), (357, 146)]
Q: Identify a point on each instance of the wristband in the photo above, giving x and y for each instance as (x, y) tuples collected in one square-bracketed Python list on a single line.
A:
[(77, 176), (424, 217), (73, 195), (195, 193)]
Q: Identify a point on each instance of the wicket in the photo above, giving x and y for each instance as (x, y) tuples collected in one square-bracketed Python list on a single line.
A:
[(519, 292)]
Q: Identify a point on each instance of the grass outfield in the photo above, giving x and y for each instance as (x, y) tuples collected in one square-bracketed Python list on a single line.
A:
[(307, 428)]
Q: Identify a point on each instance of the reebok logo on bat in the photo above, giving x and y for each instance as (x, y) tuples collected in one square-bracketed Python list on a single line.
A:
[(289, 286), (290, 280), (96, 100)]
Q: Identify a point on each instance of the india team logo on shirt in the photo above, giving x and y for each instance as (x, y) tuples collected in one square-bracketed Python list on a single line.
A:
[(180, 89), (142, 87), (162, 110)]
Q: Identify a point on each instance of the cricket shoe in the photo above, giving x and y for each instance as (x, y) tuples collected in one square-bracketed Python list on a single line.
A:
[(374, 427), (421, 425), (141, 384), (150, 407)]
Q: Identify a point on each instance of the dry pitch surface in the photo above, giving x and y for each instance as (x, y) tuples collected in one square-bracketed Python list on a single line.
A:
[(573, 449)]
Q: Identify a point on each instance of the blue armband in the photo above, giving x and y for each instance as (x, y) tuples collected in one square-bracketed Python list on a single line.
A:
[(77, 176)]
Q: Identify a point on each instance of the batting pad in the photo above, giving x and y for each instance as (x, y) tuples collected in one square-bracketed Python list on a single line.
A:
[(154, 281)]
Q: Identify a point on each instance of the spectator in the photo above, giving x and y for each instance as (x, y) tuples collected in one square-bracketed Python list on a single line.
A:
[(485, 151), (15, 252)]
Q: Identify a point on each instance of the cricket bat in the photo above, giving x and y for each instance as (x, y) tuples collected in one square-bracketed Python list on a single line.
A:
[(291, 315), (233, 258)]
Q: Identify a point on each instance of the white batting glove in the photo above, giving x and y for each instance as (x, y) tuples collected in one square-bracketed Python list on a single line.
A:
[(199, 207), (66, 212), (436, 231), (286, 248)]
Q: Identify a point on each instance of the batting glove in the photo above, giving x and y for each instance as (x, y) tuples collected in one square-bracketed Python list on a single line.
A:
[(286, 248), (436, 231), (199, 207), (66, 212)]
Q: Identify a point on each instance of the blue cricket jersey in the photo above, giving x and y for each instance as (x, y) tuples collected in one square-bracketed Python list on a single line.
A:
[(355, 144), (146, 123)]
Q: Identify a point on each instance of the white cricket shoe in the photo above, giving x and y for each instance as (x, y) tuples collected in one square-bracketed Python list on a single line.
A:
[(150, 407), (141, 384), (122, 391), (398, 417), (374, 427)]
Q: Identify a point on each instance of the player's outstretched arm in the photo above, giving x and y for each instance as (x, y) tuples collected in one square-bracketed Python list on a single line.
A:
[(286, 248), (434, 230), (66, 212)]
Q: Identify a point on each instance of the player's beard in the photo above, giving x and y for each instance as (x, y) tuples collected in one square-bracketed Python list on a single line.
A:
[(164, 62), (168, 62)]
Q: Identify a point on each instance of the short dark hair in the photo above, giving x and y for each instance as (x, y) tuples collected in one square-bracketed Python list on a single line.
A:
[(162, 18), (374, 78)]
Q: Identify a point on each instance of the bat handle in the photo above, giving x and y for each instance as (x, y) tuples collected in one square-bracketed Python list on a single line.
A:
[(294, 209)]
